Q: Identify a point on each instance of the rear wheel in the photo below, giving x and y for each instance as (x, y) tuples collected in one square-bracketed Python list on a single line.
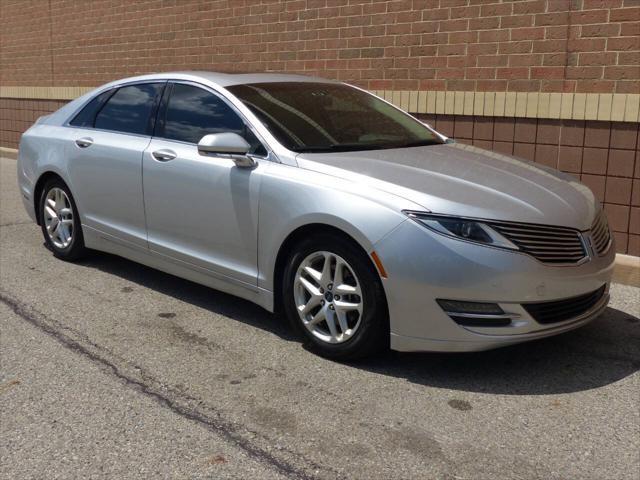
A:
[(60, 221), (333, 296)]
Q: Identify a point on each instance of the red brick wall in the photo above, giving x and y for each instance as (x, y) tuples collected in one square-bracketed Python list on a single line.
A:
[(528, 45), (590, 46)]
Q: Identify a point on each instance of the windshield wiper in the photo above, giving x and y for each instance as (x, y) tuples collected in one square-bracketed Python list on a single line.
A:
[(338, 147), (420, 143)]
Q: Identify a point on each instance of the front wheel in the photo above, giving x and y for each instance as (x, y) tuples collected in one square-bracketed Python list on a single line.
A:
[(333, 296), (60, 221)]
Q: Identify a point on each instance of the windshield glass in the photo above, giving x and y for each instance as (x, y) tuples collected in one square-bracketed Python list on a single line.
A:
[(321, 117)]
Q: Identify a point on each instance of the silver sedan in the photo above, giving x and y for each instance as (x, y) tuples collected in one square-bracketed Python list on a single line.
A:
[(365, 227)]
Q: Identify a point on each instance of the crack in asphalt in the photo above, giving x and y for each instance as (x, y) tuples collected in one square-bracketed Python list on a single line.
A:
[(224, 428)]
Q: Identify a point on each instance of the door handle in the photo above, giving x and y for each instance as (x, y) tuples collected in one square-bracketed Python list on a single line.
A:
[(84, 142), (164, 155)]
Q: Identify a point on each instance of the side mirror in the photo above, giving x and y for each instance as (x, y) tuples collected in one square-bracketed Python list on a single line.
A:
[(228, 144)]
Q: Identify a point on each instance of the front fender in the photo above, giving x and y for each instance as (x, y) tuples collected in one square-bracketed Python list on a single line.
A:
[(292, 197)]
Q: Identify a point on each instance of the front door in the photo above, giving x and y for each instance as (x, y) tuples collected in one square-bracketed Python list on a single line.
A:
[(202, 210)]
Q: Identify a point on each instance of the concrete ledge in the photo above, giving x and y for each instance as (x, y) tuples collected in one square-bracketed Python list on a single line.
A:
[(627, 270), (616, 107), (43, 93), (7, 152)]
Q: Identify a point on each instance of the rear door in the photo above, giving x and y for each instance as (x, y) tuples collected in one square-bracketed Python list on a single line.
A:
[(105, 164)]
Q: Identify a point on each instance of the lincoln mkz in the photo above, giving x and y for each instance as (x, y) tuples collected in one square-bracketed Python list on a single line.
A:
[(364, 227)]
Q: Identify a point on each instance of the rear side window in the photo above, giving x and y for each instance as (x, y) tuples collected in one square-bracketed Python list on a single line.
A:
[(87, 115), (129, 109)]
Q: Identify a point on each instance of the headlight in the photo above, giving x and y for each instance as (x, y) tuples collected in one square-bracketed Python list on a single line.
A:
[(462, 228)]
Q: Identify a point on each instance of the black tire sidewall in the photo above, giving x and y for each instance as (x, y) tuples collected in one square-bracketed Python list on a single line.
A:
[(373, 333), (76, 248)]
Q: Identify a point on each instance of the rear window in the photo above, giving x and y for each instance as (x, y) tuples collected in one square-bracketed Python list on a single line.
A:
[(129, 109), (87, 115)]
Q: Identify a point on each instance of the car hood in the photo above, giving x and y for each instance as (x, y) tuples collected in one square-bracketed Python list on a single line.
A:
[(463, 180)]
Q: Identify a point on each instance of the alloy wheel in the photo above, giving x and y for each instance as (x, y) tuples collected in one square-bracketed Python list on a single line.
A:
[(328, 297), (58, 218)]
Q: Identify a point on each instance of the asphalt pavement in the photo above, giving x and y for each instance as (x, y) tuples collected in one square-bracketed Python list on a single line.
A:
[(109, 369)]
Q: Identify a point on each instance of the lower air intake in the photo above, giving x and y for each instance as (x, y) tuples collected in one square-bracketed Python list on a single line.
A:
[(561, 310)]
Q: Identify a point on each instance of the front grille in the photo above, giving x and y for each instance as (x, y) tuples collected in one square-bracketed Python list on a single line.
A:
[(545, 243), (600, 234), (561, 310)]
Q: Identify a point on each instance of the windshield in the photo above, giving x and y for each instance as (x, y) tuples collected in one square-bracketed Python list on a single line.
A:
[(319, 117)]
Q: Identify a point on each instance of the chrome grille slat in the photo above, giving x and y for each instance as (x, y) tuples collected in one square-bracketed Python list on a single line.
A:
[(540, 235), (555, 248), (548, 244), (543, 243), (600, 234), (526, 228), (562, 255)]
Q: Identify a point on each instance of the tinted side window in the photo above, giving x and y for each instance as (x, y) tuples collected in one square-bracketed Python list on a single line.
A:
[(193, 113), (87, 115), (129, 109)]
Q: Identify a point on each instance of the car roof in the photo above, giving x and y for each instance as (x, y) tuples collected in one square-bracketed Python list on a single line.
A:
[(214, 79), (226, 79)]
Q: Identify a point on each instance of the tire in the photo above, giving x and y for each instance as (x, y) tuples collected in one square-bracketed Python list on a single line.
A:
[(62, 233), (359, 331)]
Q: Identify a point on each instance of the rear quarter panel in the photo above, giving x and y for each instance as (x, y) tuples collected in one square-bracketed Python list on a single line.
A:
[(42, 149)]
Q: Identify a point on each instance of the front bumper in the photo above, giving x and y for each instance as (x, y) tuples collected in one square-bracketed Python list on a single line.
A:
[(423, 266)]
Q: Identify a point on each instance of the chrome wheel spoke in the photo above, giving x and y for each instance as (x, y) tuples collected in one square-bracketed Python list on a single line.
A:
[(53, 224), (331, 323), (344, 289), (346, 306), (342, 321), (66, 212), (313, 273), (63, 234), (51, 212), (317, 318), (326, 269), (309, 287), (310, 305), (338, 273)]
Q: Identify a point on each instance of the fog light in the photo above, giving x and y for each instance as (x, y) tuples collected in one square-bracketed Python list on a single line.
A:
[(455, 306), (476, 314)]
